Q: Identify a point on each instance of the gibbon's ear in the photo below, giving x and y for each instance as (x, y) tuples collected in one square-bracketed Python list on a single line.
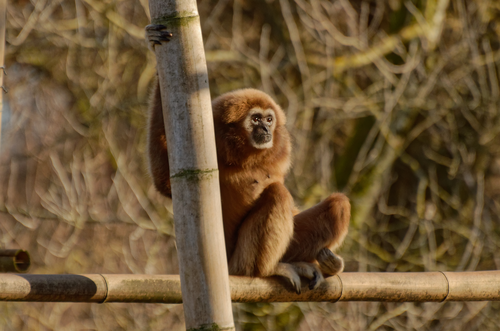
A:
[(233, 107)]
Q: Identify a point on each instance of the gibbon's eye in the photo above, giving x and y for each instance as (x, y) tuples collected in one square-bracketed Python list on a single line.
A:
[(269, 120), (255, 119)]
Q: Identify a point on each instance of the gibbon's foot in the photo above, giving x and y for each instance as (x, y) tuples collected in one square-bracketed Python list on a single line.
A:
[(155, 34), (309, 271), (293, 272), (329, 263), (288, 271)]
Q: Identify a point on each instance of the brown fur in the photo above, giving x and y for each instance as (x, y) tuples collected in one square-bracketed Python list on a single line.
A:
[(263, 237), (157, 145)]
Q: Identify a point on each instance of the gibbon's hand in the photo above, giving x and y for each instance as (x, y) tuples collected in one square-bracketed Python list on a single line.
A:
[(155, 34)]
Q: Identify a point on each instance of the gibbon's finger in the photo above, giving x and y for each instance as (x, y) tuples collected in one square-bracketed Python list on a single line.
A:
[(165, 38), (296, 285), (155, 27), (162, 34), (316, 281), (158, 35), (155, 35)]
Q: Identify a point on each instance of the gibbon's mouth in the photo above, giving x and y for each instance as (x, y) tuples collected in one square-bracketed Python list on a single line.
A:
[(262, 138)]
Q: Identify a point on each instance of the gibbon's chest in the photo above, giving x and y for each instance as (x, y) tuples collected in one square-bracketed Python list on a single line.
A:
[(240, 188)]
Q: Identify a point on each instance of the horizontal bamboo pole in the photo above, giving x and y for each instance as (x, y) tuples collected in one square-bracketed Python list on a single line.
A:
[(362, 286)]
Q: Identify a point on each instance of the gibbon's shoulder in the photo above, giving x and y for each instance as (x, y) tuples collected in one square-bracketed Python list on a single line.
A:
[(233, 107)]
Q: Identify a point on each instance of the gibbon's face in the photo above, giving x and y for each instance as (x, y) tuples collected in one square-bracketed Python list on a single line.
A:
[(260, 124)]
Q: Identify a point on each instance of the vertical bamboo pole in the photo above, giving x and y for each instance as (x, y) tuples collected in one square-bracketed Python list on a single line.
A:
[(187, 111), (3, 16)]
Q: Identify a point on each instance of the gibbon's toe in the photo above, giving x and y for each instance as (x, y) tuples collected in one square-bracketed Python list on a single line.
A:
[(289, 272), (295, 282), (309, 271), (329, 263), (316, 281), (296, 286)]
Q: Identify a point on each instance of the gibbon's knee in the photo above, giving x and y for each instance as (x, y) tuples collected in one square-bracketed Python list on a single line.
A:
[(339, 212), (322, 226), (279, 194)]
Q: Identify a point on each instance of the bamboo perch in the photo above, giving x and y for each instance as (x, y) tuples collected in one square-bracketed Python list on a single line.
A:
[(362, 286)]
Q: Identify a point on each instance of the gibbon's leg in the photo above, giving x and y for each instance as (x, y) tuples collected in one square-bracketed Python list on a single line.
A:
[(319, 230), (157, 142), (264, 236)]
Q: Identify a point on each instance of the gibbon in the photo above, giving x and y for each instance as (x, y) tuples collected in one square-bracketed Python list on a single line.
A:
[(265, 234)]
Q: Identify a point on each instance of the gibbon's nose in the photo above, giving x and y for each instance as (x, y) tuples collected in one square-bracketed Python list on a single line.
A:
[(261, 128), (262, 134)]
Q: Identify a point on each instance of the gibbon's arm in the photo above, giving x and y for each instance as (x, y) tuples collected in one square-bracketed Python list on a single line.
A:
[(157, 140), (157, 145)]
